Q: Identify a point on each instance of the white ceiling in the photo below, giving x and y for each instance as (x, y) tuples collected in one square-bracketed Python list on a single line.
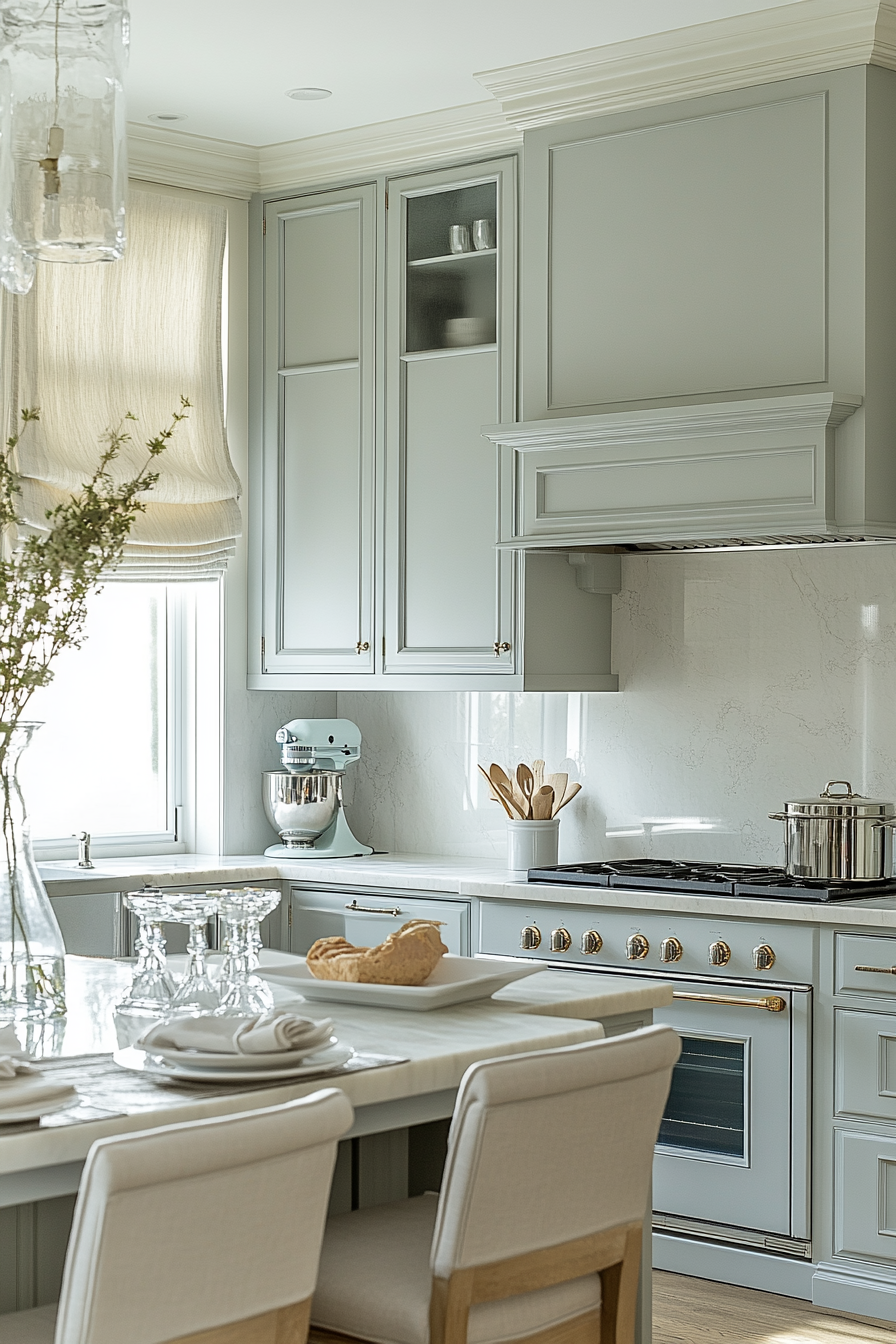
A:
[(226, 64)]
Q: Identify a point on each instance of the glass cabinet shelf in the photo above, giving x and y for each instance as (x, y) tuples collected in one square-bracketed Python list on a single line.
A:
[(450, 258)]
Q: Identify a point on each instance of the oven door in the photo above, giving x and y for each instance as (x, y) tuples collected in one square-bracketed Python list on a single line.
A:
[(733, 1148)]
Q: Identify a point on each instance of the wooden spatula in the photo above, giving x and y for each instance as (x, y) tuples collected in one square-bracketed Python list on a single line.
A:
[(493, 792), (502, 786), (558, 783), (568, 796), (543, 803), (538, 775)]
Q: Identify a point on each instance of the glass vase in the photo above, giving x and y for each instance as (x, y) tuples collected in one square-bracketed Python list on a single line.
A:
[(32, 970)]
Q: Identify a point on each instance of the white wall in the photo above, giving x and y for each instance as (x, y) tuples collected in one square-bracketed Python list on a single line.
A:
[(746, 679)]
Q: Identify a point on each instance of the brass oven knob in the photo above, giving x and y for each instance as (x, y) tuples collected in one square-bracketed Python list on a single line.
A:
[(719, 954), (636, 947), (530, 938), (591, 941), (763, 957), (560, 940), (671, 950)]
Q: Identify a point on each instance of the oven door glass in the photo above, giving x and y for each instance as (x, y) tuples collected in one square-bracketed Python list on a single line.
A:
[(707, 1110), (733, 1145)]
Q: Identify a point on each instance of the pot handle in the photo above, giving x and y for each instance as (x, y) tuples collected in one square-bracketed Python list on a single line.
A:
[(782, 816), (885, 821), (830, 784)]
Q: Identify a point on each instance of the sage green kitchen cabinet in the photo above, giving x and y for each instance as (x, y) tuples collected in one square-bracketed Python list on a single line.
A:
[(316, 475), (375, 501), (450, 368)]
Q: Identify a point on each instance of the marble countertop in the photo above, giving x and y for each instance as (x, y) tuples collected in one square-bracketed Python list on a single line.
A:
[(548, 1010), (446, 876)]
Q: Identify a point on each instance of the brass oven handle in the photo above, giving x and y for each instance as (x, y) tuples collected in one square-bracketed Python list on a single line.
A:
[(882, 970), (771, 1002), (374, 909)]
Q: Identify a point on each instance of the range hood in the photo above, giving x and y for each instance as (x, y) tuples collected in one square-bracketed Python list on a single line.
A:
[(779, 471)]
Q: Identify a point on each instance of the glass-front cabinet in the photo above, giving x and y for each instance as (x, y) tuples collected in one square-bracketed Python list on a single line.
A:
[(450, 369)]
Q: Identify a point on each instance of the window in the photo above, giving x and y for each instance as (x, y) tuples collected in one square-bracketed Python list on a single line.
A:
[(111, 755)]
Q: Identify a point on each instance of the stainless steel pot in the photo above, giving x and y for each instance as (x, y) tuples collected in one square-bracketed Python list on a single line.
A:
[(301, 807), (838, 837)]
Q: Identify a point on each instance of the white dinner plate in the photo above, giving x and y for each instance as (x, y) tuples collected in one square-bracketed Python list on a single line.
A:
[(454, 980), (14, 1115), (205, 1059), (142, 1061)]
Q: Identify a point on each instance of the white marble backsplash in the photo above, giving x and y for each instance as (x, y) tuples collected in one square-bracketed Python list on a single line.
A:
[(746, 679)]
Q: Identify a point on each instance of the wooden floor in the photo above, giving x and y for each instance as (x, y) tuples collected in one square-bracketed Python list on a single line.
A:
[(695, 1311)]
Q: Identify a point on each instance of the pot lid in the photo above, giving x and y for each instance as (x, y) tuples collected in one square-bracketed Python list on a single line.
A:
[(838, 800)]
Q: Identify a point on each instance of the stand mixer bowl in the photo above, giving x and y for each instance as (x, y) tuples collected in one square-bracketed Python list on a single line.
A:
[(301, 806)]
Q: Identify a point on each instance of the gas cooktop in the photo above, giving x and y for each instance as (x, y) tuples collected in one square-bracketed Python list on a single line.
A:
[(708, 879)]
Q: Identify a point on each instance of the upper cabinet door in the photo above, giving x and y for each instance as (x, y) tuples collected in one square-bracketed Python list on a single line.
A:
[(450, 366), (319, 433)]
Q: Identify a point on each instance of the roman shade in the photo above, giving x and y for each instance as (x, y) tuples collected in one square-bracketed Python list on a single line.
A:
[(90, 343)]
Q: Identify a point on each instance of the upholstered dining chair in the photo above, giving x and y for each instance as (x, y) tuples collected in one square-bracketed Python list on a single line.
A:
[(201, 1233), (536, 1234)]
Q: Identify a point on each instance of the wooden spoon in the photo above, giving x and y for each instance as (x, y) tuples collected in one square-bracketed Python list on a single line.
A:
[(493, 792), (567, 797), (526, 781), (543, 803), (538, 775), (503, 787)]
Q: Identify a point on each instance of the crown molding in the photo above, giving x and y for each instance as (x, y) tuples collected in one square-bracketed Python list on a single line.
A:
[(803, 38), (475, 129), (179, 159)]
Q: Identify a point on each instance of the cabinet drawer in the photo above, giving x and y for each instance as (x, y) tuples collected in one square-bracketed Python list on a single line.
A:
[(864, 1196), (855, 950), (865, 1072), (365, 918)]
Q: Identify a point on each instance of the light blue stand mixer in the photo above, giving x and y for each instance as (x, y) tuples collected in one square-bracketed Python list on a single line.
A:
[(303, 801)]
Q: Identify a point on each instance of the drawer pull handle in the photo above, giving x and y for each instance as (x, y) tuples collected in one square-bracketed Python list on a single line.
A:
[(772, 1003), (881, 970), (374, 909)]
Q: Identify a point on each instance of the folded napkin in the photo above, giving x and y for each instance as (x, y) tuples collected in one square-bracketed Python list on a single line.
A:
[(264, 1034), (30, 1091)]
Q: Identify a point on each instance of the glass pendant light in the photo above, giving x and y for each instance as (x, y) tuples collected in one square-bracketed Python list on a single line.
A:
[(63, 165)]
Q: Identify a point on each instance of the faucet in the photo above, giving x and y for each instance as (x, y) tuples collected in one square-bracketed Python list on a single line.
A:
[(84, 849)]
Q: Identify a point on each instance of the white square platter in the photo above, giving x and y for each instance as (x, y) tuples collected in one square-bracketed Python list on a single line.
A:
[(454, 980)]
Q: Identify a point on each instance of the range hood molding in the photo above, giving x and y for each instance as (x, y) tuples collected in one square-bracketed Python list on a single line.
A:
[(764, 471)]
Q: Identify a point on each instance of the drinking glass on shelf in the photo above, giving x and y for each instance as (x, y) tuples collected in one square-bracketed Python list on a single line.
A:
[(241, 992), (459, 238), (152, 987), (197, 992), (483, 234)]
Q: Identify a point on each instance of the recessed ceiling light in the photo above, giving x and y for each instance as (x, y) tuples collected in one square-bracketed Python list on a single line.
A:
[(167, 116), (309, 95)]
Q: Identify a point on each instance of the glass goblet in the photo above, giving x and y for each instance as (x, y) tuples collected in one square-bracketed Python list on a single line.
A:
[(241, 992), (152, 987), (197, 992)]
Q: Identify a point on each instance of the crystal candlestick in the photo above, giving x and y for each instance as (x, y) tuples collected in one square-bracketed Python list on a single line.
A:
[(242, 993), (152, 988), (197, 992)]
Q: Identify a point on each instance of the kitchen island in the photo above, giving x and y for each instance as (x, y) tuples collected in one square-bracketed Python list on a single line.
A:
[(40, 1164)]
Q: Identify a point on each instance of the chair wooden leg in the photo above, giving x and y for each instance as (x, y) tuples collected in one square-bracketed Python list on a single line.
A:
[(286, 1325), (619, 1294)]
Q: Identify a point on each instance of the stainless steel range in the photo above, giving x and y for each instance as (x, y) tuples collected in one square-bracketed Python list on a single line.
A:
[(733, 1159)]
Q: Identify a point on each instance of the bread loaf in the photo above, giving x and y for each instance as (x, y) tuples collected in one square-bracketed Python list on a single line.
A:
[(407, 957)]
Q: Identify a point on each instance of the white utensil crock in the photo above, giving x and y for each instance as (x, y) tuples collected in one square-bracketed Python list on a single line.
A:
[(532, 844)]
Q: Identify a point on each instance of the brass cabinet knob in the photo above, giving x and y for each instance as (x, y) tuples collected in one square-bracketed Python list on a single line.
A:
[(763, 957), (719, 954), (530, 938), (636, 947), (591, 941), (501, 646), (671, 950), (560, 940), (362, 648)]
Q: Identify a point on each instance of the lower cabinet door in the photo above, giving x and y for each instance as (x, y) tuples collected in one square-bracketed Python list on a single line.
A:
[(366, 918), (864, 1196), (93, 925)]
